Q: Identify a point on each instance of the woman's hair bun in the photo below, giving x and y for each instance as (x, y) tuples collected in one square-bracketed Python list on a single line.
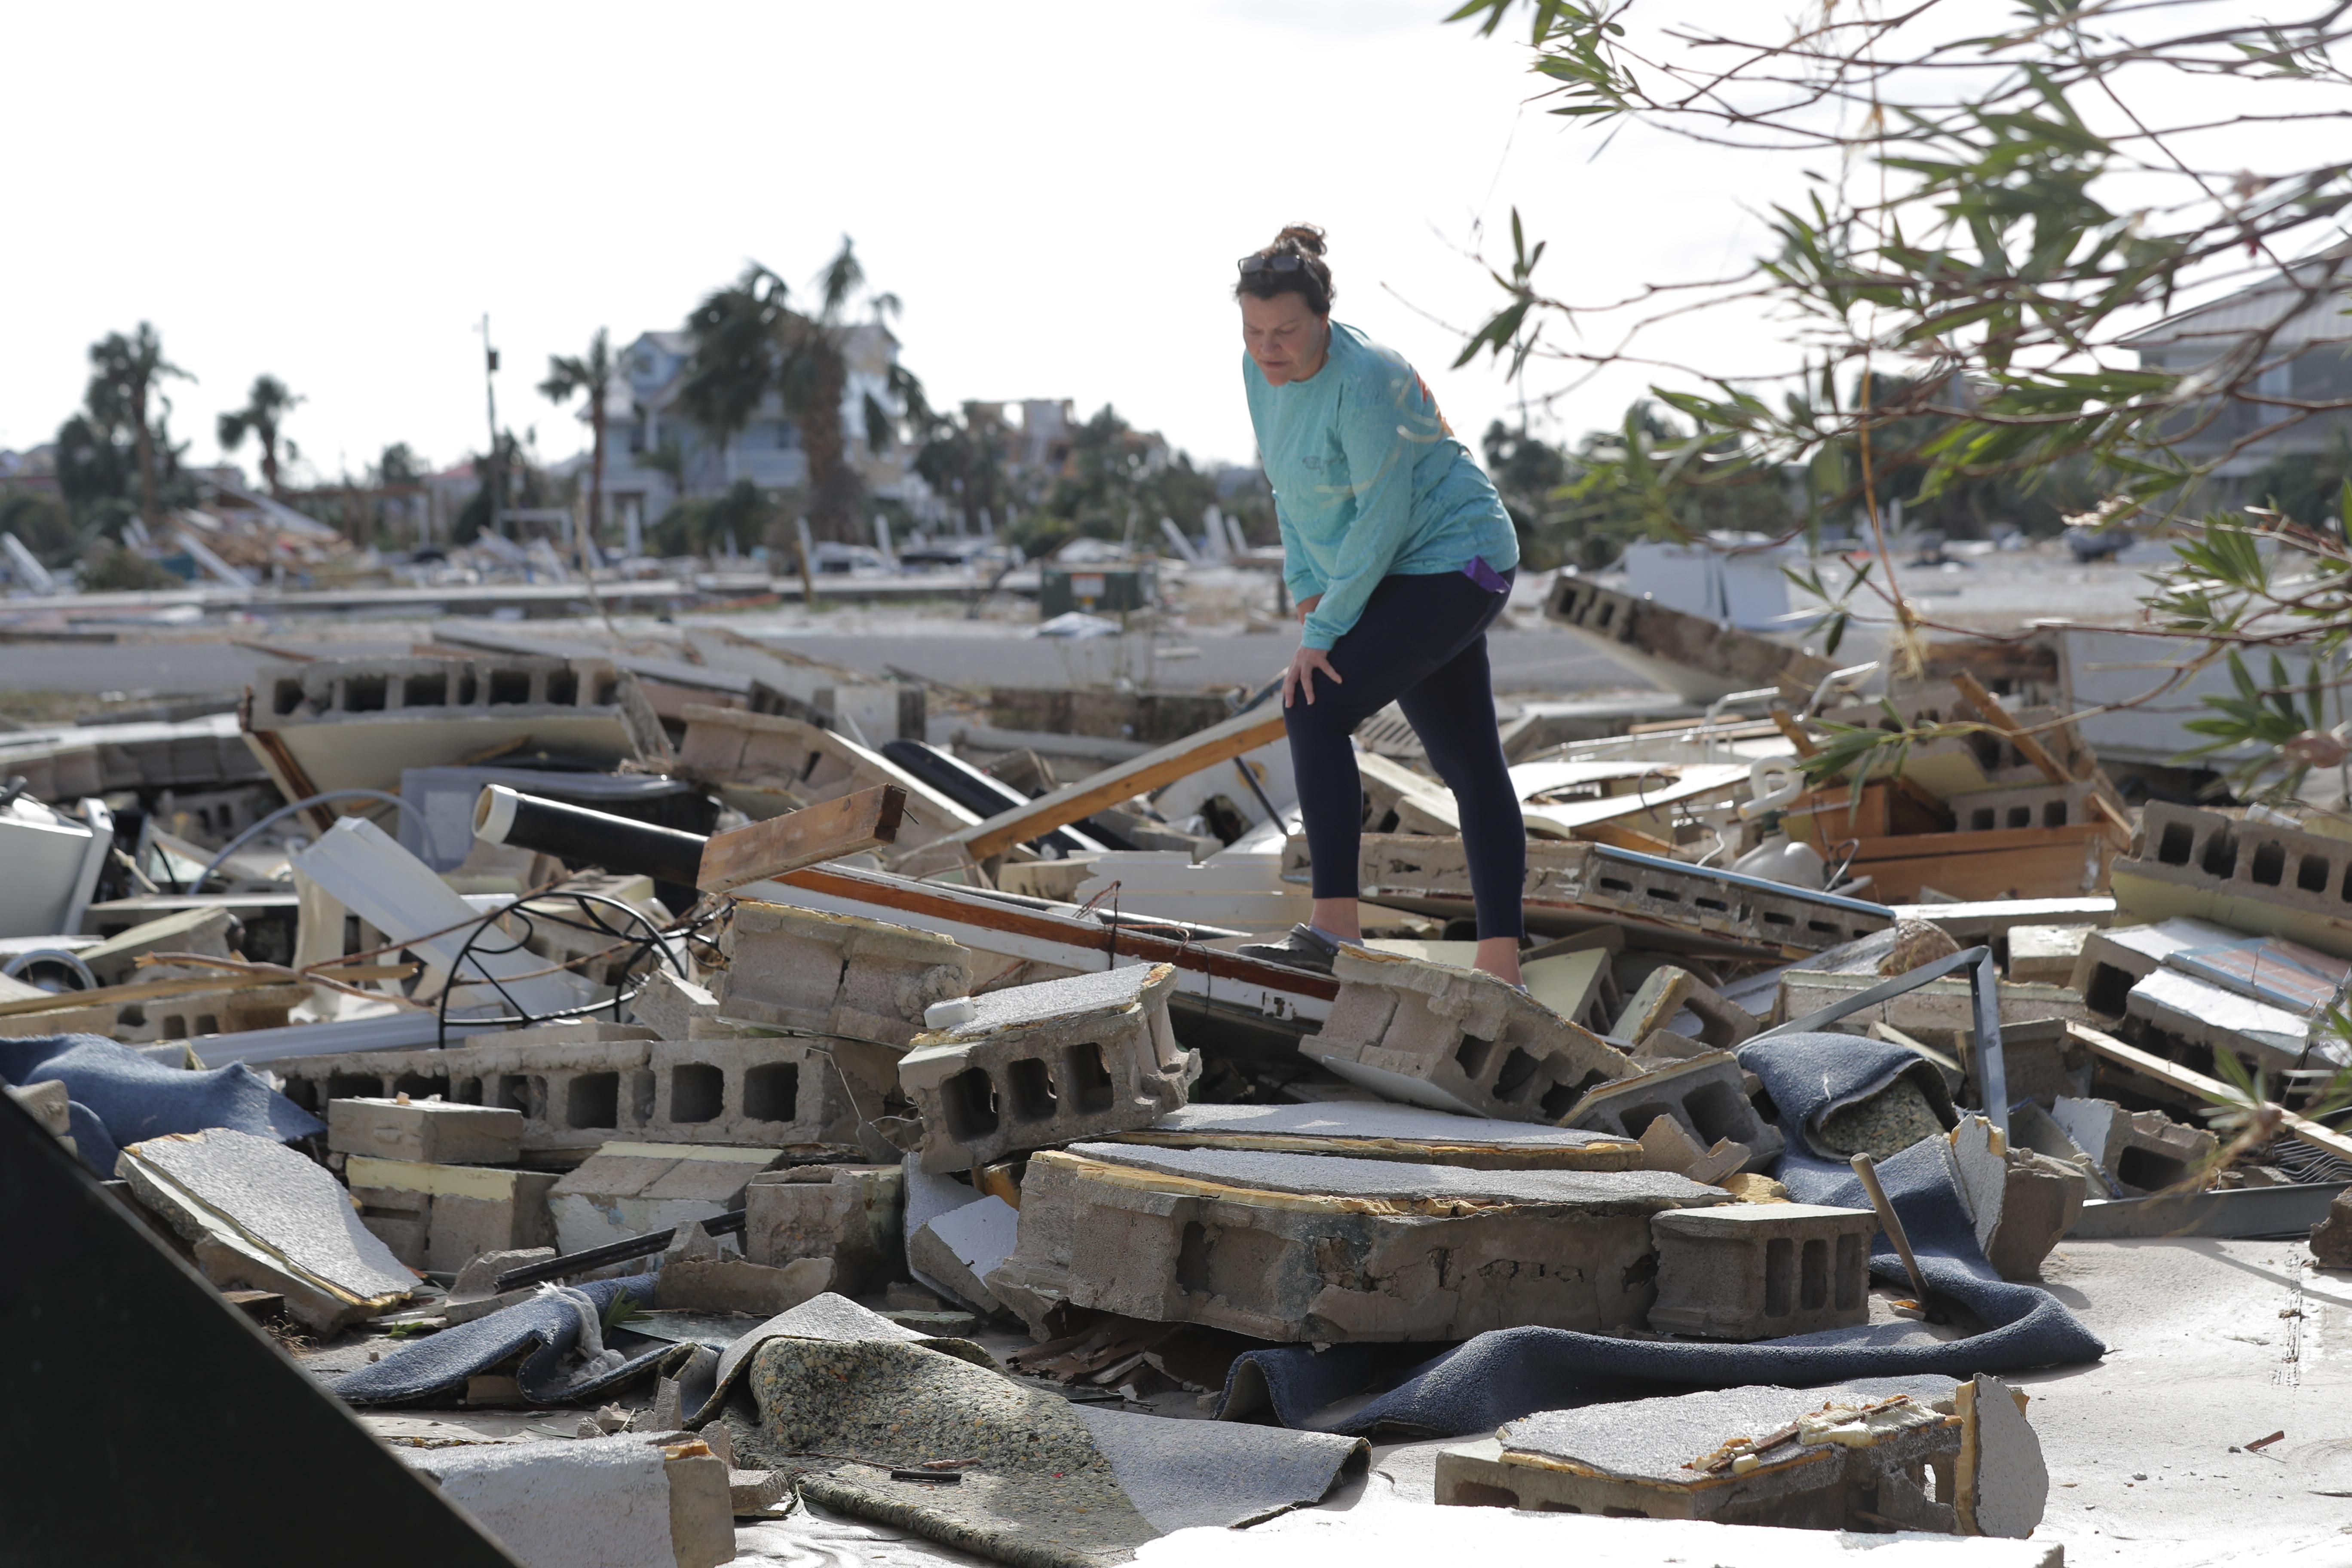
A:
[(1304, 236)]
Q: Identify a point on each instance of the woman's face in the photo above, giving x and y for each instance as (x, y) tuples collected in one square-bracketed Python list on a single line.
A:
[(1283, 336)]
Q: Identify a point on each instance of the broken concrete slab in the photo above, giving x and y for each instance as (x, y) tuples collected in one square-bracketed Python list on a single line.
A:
[(1826, 1459), (1322, 1249), (2141, 1151), (2203, 1014), (1047, 1064), (2331, 1238), (441, 1217), (1705, 1096), (262, 1216), (696, 1276), (1379, 1130), (602, 1502), (1457, 1039), (432, 1132), (1759, 1271), (628, 1189), (821, 973), (850, 1213), (2020, 1202), (669, 1005), (2045, 954), (962, 1246)]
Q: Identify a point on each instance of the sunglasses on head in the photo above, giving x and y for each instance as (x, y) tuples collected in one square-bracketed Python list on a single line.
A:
[(1283, 261)]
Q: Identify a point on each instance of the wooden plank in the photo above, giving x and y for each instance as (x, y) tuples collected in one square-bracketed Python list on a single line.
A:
[(825, 831), (1242, 732), (1916, 845), (190, 986), (2173, 1075), (2011, 873)]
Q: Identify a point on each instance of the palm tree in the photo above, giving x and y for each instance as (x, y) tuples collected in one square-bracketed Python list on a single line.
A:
[(266, 408), (592, 373), (750, 342), (126, 372)]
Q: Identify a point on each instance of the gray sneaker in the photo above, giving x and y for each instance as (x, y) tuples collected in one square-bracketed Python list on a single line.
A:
[(1303, 948)]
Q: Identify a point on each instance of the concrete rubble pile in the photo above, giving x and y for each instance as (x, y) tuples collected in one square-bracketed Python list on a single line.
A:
[(557, 1124)]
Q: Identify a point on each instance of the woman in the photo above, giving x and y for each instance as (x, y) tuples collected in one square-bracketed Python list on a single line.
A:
[(1399, 556)]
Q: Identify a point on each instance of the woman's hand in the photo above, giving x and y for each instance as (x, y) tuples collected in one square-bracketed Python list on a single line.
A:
[(1300, 675)]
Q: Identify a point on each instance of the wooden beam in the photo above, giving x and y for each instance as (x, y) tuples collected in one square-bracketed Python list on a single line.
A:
[(825, 831), (2174, 1076), (189, 985), (1241, 733)]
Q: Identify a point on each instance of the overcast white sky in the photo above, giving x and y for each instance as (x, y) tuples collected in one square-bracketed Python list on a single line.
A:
[(335, 194)]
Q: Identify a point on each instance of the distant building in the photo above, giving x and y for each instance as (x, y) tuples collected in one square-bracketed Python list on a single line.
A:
[(2293, 332), (33, 470), (645, 424)]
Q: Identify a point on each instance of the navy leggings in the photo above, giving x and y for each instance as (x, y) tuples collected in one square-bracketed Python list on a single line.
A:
[(1421, 643)]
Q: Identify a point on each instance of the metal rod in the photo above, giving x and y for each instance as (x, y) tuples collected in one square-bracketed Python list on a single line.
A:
[(1867, 1168), (620, 1251)]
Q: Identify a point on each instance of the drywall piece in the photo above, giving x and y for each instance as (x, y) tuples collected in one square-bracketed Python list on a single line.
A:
[(2002, 1484), (751, 1090), (2045, 954), (1574, 886), (850, 1213), (836, 975), (358, 723), (1578, 986), (1821, 1458), (1457, 1039), (1705, 1094), (2113, 959), (1234, 891), (364, 866), (2020, 1202), (1047, 1064), (1378, 1131), (434, 1131), (2252, 876), (962, 1246), (1321, 1248), (442, 1217), (2217, 1018), (668, 1005), (629, 1189), (694, 1276), (261, 1203), (2141, 1151), (928, 1197), (1758, 1271), (115, 961), (596, 1503), (1663, 995)]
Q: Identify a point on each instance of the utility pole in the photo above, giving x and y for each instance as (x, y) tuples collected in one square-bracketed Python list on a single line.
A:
[(496, 479)]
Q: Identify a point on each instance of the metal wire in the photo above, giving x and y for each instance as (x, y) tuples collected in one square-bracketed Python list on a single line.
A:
[(655, 940), (424, 828)]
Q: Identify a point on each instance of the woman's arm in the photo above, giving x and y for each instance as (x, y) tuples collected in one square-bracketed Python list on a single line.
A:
[(1373, 434)]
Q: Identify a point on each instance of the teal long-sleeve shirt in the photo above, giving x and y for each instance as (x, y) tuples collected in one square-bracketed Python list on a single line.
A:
[(1369, 482)]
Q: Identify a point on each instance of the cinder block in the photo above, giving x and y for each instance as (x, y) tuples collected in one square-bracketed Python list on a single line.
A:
[(1457, 1039), (2112, 960), (1761, 1271), (1049, 1064), (2020, 1202), (850, 1213), (458, 1212), (1918, 1453), (1317, 1249), (824, 974), (1705, 1096), (628, 1189), (434, 1131), (751, 1089), (2142, 1151), (2045, 954), (1666, 993), (595, 1500), (2040, 1061), (2253, 877), (2019, 805), (669, 1005)]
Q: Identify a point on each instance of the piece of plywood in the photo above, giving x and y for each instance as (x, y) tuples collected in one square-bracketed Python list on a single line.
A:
[(1242, 732), (845, 825)]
